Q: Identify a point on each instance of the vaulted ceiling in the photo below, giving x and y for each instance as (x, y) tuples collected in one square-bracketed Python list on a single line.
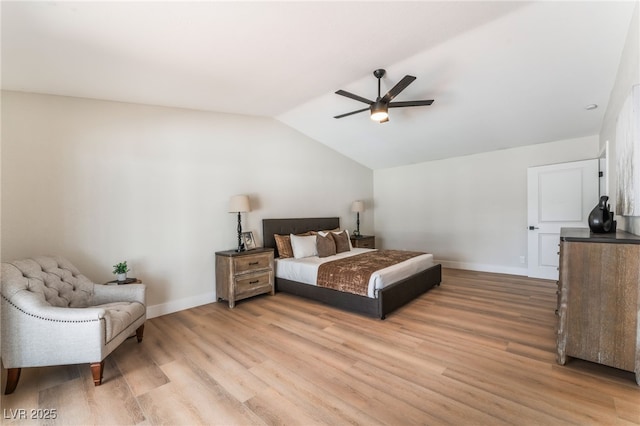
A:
[(503, 74)]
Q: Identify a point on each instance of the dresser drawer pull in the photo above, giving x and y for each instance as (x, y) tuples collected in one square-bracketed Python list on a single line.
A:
[(253, 263), (254, 282)]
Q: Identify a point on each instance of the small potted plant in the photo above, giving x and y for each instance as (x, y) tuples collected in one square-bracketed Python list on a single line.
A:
[(120, 269)]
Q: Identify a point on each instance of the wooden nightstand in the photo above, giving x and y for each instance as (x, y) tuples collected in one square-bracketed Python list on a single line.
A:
[(364, 241), (244, 274)]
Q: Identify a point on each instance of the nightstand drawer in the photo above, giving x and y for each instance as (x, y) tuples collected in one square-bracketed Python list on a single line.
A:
[(365, 241), (249, 283), (252, 263)]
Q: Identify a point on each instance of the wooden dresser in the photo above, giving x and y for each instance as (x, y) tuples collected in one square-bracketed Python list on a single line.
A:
[(244, 274), (599, 298)]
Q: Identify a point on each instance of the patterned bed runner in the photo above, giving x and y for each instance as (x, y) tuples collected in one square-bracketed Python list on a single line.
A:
[(352, 274)]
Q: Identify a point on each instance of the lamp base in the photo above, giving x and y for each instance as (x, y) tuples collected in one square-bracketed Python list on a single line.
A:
[(240, 243)]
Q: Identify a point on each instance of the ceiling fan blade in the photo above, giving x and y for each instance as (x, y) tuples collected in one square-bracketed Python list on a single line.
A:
[(351, 113), (352, 96), (409, 103), (395, 90)]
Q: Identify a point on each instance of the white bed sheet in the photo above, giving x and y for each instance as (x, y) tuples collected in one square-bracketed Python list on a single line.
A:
[(305, 270)]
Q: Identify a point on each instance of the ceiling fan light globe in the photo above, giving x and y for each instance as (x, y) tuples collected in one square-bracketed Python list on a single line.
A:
[(379, 115), (379, 111)]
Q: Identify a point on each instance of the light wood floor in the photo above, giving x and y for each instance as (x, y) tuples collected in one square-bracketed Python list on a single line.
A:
[(479, 350)]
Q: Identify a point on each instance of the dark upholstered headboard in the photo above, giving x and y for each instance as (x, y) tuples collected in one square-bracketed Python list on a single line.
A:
[(294, 226)]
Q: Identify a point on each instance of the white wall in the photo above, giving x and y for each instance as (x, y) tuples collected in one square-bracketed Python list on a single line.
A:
[(100, 182), (628, 76), (470, 212)]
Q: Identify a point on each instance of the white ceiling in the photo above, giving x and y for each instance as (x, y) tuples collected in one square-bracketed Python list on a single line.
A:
[(502, 74)]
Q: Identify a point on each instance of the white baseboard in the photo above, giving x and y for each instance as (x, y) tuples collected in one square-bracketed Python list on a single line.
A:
[(483, 268), (179, 305)]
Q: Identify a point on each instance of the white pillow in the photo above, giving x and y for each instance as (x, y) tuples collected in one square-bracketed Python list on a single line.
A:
[(303, 246)]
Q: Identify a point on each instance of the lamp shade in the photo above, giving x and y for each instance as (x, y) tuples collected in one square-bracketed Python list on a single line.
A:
[(357, 207), (239, 203)]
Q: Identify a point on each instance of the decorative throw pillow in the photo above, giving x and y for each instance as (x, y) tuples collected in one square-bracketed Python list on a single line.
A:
[(303, 246), (283, 244), (326, 245), (342, 241)]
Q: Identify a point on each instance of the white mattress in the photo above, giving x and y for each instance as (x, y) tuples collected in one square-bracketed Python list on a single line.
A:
[(305, 270)]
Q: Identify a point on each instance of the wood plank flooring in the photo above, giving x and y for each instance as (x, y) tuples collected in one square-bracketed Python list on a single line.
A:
[(478, 350)]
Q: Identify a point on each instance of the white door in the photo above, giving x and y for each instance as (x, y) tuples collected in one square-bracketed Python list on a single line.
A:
[(559, 195)]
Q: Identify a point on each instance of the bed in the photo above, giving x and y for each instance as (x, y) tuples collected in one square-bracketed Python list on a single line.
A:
[(388, 299)]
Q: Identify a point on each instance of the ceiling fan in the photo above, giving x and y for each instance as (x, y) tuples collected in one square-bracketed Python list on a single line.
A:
[(379, 107)]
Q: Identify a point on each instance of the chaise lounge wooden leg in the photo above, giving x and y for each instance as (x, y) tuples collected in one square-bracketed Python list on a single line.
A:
[(96, 371), (139, 333), (13, 375)]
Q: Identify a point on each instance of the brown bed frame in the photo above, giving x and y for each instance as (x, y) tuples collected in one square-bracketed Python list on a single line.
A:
[(389, 298)]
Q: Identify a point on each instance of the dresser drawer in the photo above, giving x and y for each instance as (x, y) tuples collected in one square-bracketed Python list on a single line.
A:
[(252, 263), (250, 283)]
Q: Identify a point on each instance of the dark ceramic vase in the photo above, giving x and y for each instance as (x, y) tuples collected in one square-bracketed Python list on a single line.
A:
[(600, 218)]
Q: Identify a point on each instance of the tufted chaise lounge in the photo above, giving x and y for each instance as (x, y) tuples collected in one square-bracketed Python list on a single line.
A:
[(53, 315)]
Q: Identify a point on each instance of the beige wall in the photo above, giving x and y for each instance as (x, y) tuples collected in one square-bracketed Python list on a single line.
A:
[(471, 211), (628, 76), (101, 182)]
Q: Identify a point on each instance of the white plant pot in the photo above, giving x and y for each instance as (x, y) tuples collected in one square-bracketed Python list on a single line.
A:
[(122, 277)]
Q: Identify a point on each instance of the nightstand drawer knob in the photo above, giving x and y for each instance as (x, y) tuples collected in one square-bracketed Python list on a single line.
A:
[(253, 263), (254, 282)]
